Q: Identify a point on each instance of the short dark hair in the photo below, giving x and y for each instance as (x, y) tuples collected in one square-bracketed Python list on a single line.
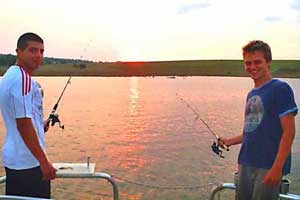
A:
[(258, 45), (23, 39)]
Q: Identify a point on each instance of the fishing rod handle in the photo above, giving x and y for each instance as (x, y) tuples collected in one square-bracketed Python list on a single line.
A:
[(224, 146), (55, 107)]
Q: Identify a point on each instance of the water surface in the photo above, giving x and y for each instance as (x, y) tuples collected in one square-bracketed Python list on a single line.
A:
[(139, 130)]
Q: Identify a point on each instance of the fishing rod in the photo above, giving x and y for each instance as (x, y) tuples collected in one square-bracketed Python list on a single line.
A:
[(215, 146), (53, 117)]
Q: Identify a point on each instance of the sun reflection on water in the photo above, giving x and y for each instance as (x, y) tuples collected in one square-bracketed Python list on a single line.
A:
[(133, 95)]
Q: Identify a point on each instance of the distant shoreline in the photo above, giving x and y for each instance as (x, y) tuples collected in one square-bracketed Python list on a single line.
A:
[(279, 68)]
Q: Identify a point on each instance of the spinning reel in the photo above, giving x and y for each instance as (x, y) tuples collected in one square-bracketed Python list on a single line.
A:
[(216, 149), (54, 119)]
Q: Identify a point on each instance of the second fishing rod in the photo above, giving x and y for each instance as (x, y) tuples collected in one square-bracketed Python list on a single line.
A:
[(215, 145)]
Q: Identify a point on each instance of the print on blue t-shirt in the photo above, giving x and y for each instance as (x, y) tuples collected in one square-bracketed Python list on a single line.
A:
[(254, 113)]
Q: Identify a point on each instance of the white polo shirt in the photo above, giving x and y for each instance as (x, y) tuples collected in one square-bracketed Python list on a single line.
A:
[(20, 98)]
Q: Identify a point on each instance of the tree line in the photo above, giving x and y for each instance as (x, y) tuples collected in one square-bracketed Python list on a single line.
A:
[(10, 59)]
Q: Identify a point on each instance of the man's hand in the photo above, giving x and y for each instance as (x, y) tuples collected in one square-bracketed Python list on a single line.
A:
[(46, 125), (230, 141), (48, 171), (272, 177), (222, 142)]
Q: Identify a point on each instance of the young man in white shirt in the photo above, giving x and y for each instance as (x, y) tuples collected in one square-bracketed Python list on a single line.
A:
[(28, 170)]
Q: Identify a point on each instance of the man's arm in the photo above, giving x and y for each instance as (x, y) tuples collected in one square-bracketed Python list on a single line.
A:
[(30, 138), (274, 175)]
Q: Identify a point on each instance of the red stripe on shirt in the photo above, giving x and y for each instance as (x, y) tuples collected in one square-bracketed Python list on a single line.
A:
[(23, 89), (26, 83), (29, 83)]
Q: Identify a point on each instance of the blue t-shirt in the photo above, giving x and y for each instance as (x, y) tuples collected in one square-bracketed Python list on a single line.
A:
[(262, 127)]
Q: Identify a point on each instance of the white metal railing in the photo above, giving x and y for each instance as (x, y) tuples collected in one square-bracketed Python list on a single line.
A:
[(232, 186), (9, 197), (71, 170), (95, 175)]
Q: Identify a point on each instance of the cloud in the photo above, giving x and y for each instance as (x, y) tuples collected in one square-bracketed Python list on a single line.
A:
[(295, 4), (192, 7), (272, 19)]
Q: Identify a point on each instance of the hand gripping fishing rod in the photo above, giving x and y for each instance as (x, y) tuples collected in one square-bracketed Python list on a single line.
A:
[(53, 117), (215, 146)]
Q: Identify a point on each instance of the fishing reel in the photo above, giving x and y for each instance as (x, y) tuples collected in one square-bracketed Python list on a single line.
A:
[(54, 119), (215, 147)]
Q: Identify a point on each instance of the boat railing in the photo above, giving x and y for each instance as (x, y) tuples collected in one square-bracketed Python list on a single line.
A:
[(284, 189), (70, 170)]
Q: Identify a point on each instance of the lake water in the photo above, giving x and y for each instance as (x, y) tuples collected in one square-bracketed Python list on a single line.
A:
[(139, 130)]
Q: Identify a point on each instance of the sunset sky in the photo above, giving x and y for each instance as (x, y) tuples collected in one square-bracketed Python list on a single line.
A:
[(144, 30)]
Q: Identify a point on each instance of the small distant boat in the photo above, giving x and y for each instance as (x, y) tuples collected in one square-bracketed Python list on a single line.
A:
[(171, 76)]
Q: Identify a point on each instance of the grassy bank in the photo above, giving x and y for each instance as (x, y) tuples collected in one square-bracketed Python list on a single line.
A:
[(279, 68)]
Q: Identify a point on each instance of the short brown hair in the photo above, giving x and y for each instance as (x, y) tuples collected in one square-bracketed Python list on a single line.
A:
[(258, 45)]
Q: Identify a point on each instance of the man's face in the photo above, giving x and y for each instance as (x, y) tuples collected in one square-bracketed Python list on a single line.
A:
[(256, 65), (32, 56)]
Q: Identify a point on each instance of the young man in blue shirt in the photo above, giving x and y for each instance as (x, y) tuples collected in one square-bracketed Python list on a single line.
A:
[(269, 128)]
